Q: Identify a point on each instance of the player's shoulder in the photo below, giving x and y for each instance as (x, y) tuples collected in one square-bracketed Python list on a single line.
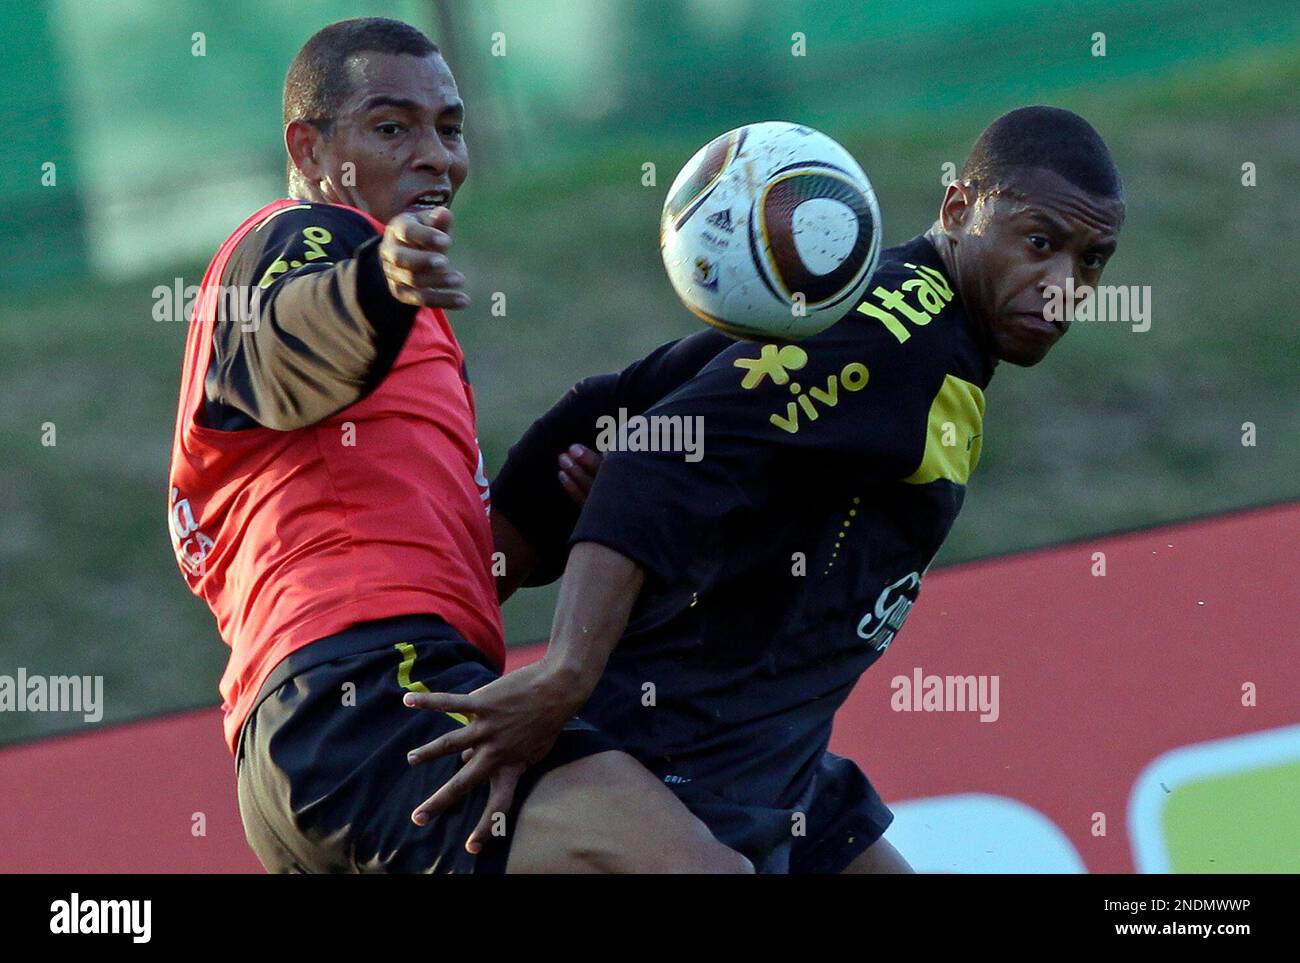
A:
[(906, 257), (910, 286), (911, 313), (291, 234), (906, 316), (286, 219)]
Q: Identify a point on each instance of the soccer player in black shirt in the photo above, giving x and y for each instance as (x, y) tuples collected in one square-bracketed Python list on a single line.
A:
[(716, 612)]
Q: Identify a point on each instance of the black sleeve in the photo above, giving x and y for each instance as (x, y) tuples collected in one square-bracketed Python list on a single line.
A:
[(307, 326), (527, 489), (773, 419)]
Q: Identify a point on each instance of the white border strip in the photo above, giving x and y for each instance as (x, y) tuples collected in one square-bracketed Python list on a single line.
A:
[(1195, 763)]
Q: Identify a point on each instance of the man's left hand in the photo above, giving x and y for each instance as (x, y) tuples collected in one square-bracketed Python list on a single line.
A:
[(513, 722)]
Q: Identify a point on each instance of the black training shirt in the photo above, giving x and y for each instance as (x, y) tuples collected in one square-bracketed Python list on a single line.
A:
[(783, 561)]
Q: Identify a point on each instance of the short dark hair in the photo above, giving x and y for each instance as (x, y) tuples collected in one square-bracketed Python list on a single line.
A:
[(317, 82), (1048, 137)]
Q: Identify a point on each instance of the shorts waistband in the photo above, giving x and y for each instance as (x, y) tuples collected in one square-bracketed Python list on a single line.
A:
[(359, 639)]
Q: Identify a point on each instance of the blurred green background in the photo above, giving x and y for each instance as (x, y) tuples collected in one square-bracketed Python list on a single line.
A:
[(159, 153)]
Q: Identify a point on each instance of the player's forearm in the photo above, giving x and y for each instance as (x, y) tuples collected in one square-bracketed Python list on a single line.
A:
[(600, 588), (314, 344), (526, 489), (328, 338), (520, 558)]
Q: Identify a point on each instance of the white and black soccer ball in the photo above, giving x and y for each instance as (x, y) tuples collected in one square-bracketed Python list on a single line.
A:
[(770, 231)]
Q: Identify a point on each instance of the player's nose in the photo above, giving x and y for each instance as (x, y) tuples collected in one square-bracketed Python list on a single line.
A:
[(432, 154), (1059, 278), (1059, 289)]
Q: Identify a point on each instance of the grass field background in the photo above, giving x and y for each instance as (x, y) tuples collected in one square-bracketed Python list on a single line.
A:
[(1117, 429)]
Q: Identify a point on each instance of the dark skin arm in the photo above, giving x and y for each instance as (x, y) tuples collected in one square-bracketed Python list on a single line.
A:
[(577, 471), (519, 555), (515, 720)]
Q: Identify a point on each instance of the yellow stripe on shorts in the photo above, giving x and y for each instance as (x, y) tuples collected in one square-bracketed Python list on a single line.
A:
[(407, 651)]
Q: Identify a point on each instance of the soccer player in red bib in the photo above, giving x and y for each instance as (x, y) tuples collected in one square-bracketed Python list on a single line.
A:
[(329, 502)]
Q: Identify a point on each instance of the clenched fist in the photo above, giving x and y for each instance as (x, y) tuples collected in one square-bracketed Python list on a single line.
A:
[(414, 256)]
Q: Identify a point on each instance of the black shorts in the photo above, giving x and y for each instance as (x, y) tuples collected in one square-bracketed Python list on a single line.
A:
[(324, 785), (837, 818), (763, 783)]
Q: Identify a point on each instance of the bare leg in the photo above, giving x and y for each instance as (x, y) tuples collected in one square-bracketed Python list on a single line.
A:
[(606, 813), (880, 857)]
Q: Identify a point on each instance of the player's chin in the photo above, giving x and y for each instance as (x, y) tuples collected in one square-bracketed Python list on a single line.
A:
[(1025, 354)]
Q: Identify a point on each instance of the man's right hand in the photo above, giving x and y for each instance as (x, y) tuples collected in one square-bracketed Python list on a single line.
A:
[(414, 257), (578, 467)]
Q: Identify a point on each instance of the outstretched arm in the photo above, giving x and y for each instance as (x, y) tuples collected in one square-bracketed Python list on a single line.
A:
[(596, 597), (316, 307)]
